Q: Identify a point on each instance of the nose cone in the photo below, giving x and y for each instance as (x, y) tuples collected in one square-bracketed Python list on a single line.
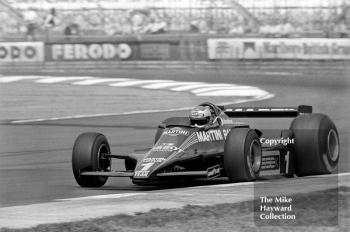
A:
[(167, 147)]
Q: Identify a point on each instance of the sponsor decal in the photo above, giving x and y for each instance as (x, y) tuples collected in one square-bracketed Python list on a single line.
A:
[(93, 51), (153, 160), (212, 135), (225, 132), (141, 173), (207, 136), (271, 162), (274, 142), (22, 51), (176, 131), (300, 48), (166, 147), (213, 171)]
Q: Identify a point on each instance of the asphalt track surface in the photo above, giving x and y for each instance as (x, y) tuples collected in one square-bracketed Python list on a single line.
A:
[(35, 157)]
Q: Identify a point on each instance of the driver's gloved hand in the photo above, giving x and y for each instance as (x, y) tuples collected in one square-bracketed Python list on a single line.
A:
[(207, 127), (211, 126)]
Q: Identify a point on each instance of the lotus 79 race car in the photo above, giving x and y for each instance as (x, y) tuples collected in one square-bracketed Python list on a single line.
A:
[(222, 148)]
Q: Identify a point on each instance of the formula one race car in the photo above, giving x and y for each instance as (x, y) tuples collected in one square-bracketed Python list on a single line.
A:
[(210, 144)]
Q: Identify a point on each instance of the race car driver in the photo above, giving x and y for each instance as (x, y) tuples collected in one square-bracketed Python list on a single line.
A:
[(203, 117)]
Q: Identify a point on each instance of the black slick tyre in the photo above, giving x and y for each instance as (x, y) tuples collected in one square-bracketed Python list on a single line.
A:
[(316, 145), (88, 154), (242, 155)]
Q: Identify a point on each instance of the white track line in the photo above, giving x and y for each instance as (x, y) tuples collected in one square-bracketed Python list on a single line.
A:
[(17, 78), (137, 82), (228, 185), (262, 182), (207, 89), (121, 195), (167, 85), (98, 197), (171, 84), (99, 81), (330, 175), (199, 85), (230, 92), (52, 80)]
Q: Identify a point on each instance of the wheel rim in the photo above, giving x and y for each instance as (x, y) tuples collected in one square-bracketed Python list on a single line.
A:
[(333, 145), (255, 156), (103, 162)]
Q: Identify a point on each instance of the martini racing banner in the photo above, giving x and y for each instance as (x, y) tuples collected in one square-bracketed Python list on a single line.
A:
[(299, 48), (21, 52)]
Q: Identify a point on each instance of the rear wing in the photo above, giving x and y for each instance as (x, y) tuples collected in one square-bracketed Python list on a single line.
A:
[(265, 112)]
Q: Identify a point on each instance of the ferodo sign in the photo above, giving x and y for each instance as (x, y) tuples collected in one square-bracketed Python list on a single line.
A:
[(21, 52), (88, 51)]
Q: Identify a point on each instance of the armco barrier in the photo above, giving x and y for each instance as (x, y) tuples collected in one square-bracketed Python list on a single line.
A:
[(21, 52), (300, 48)]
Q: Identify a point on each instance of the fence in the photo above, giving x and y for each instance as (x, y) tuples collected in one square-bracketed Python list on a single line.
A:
[(238, 17)]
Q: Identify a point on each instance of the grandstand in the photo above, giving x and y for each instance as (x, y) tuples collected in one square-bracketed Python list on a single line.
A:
[(240, 18)]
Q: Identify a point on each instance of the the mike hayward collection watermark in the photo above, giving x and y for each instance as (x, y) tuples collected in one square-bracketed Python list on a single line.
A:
[(276, 208)]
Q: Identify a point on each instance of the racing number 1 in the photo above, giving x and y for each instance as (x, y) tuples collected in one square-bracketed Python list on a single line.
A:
[(286, 158)]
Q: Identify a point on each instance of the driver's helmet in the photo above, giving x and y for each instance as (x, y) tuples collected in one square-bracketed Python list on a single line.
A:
[(200, 115)]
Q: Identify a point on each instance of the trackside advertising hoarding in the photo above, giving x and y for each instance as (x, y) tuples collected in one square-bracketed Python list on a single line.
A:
[(299, 48), (87, 51), (112, 51), (21, 52)]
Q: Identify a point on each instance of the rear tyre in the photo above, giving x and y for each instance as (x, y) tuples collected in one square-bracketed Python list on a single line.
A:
[(242, 155), (89, 154), (316, 144)]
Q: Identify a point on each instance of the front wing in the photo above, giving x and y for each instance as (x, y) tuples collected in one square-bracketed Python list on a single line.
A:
[(165, 174)]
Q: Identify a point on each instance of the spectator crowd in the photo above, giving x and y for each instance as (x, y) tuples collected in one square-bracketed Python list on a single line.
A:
[(275, 22)]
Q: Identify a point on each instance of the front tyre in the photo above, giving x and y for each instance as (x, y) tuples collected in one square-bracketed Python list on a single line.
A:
[(89, 154), (242, 155)]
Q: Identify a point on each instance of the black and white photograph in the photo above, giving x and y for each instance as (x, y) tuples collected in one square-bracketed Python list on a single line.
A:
[(174, 115)]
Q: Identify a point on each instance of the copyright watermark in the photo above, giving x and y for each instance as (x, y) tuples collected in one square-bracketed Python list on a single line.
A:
[(273, 142)]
